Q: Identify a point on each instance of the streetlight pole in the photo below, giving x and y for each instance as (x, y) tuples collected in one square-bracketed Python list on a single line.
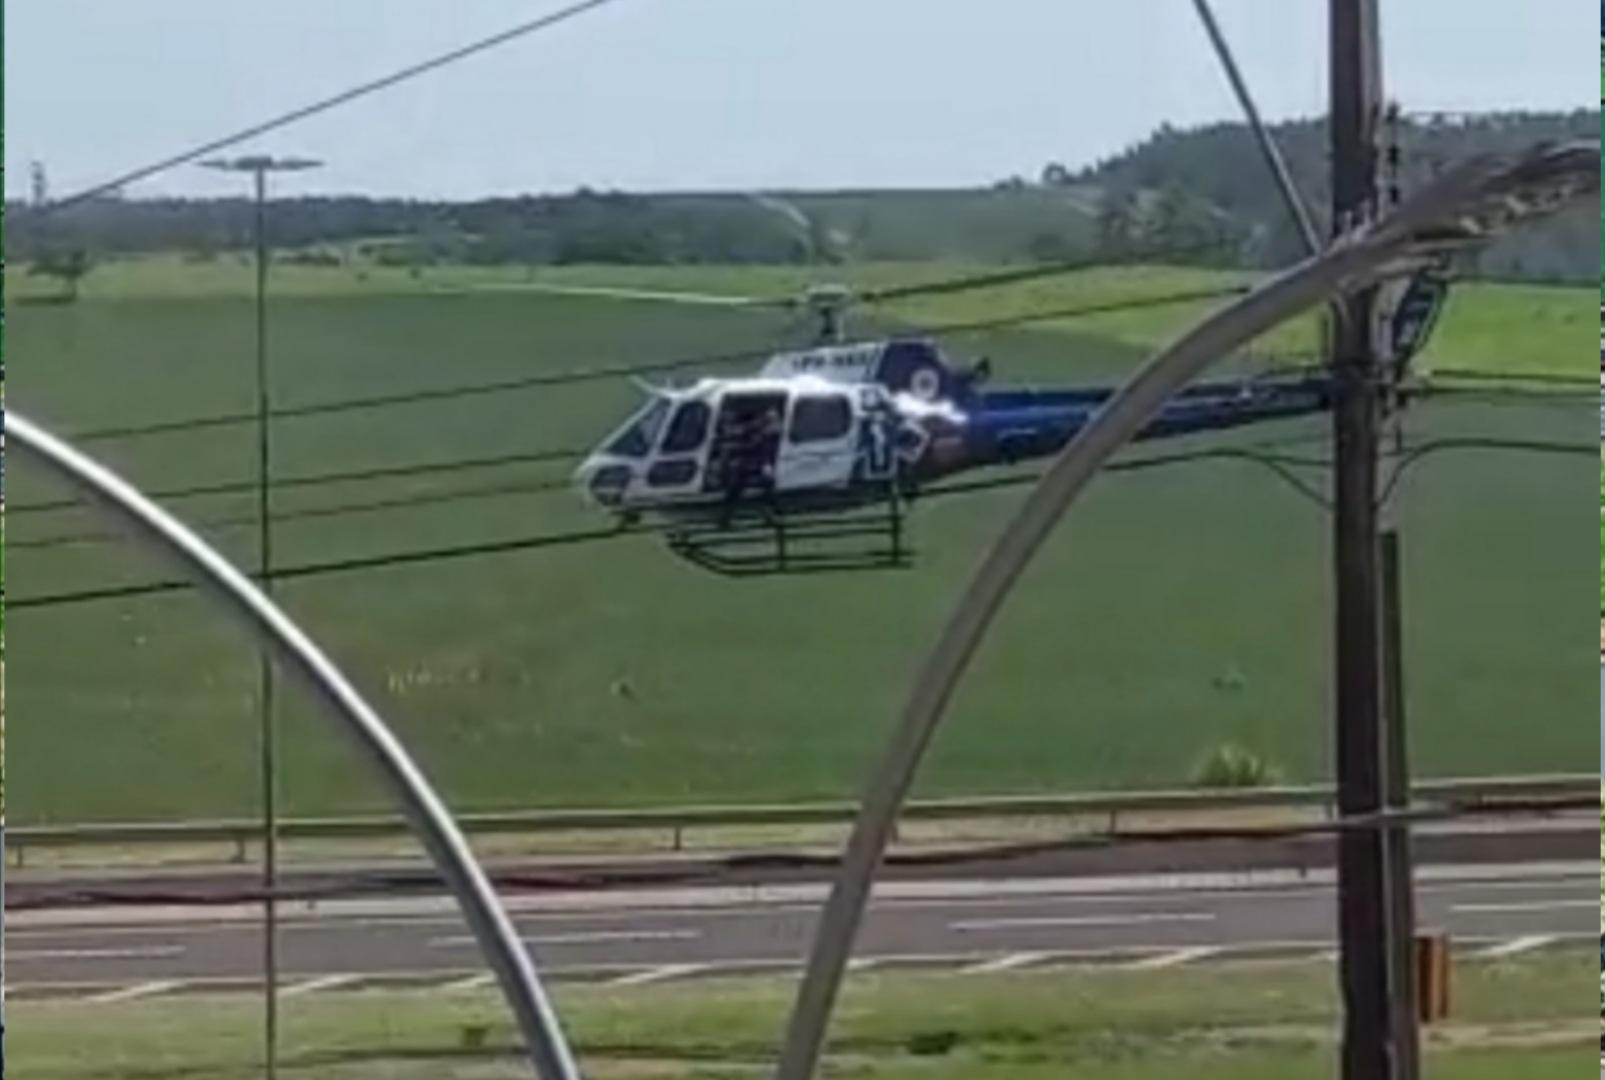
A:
[(259, 166)]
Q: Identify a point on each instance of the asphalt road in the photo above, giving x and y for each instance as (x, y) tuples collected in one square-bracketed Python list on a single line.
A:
[(649, 936)]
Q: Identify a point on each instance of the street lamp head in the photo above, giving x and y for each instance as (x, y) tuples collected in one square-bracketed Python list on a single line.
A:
[(258, 163)]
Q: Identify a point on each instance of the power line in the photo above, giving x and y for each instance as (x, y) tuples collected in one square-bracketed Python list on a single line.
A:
[(445, 393), (1538, 377), (1413, 455), (1507, 395), (287, 573), (461, 551), (344, 97), (338, 510), (231, 487), (1082, 310), (1033, 272), (1281, 464), (541, 487), (545, 487), (617, 371)]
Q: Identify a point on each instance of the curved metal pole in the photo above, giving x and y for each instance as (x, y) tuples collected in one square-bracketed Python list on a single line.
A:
[(548, 1050), (1348, 264), (1267, 145)]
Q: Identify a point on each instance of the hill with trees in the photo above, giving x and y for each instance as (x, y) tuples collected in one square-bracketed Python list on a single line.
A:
[(1204, 191)]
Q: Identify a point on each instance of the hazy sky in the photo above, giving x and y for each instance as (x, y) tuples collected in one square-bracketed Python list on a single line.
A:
[(656, 94)]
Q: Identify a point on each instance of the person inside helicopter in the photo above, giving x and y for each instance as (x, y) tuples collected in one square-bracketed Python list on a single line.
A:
[(749, 443)]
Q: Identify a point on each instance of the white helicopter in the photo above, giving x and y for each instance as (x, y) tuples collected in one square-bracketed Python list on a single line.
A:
[(829, 442)]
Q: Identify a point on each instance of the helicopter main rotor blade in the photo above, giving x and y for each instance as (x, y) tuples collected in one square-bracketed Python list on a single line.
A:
[(1017, 275), (609, 292)]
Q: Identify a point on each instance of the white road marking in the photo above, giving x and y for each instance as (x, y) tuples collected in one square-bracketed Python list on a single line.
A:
[(1140, 919), (322, 982), (1516, 946), (1004, 963), (584, 937), (668, 902), (963, 963), (658, 974), (151, 952), (1532, 905), (1174, 958), (132, 993)]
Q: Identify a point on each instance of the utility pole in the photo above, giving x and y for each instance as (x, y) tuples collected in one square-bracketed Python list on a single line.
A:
[(259, 166), (1418, 299), (1364, 925)]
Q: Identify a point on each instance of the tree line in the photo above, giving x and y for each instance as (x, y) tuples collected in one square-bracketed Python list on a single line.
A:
[(1202, 191)]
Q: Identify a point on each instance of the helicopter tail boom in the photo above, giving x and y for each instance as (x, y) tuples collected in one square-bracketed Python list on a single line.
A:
[(1009, 426)]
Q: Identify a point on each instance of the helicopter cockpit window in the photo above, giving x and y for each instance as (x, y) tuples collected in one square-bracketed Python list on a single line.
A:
[(820, 418), (636, 440), (688, 429)]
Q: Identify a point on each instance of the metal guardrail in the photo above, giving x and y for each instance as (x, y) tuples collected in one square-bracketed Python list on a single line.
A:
[(1485, 793)]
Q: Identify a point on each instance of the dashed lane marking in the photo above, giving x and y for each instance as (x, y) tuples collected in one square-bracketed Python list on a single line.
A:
[(313, 986), (582, 937), (1004, 963), (1139, 919), (1516, 946), (1517, 907), (146, 952), (661, 973), (132, 993), (1174, 958)]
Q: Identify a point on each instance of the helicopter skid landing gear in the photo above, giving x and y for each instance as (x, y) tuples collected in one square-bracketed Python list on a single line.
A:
[(758, 540)]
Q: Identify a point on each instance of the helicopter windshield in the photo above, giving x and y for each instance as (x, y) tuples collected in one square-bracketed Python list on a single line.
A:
[(636, 438)]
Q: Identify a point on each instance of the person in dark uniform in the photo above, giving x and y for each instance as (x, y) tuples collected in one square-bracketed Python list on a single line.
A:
[(741, 456), (751, 446)]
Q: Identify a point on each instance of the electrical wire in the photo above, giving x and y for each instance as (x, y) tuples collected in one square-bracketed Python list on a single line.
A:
[(444, 393), (1084, 310), (339, 510), (1035, 271), (1410, 456), (344, 97), (236, 487), (581, 375), (306, 570), (1536, 377), (1507, 396), (1281, 464), (560, 485)]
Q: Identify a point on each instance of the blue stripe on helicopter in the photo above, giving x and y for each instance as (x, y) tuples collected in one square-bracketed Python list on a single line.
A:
[(1016, 423)]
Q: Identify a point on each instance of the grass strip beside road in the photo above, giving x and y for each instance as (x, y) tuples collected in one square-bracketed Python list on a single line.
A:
[(1528, 1016)]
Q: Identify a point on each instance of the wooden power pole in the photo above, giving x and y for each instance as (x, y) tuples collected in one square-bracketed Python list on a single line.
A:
[(1373, 1046)]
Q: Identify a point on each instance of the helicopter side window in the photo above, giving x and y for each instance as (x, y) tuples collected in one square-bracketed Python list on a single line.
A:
[(636, 440), (820, 419), (688, 429)]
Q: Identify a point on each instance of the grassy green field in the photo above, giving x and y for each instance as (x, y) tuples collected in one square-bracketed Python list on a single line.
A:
[(1489, 327), (1179, 609), (1528, 1018)]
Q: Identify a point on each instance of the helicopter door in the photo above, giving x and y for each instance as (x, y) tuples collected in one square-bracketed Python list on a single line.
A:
[(745, 441), (820, 447), (677, 465)]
